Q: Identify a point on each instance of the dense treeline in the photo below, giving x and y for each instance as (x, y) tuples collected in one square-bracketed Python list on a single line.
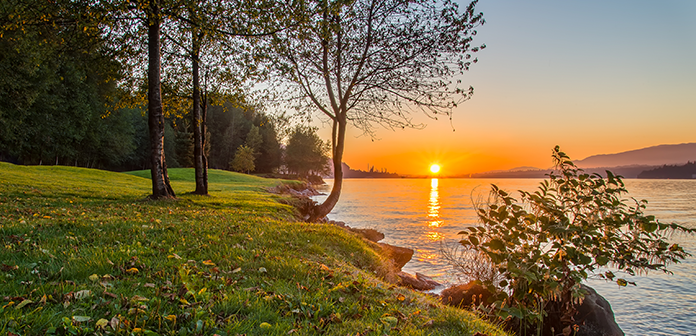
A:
[(686, 171), (59, 105)]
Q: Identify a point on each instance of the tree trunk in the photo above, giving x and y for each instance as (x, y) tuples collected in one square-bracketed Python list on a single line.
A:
[(199, 161), (320, 211), (160, 180)]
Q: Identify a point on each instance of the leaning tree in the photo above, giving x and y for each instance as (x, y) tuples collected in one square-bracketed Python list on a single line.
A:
[(375, 62)]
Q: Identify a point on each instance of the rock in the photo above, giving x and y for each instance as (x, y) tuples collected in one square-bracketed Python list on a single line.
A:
[(463, 296), (338, 223), (398, 255), (408, 280), (428, 280), (370, 234), (595, 316)]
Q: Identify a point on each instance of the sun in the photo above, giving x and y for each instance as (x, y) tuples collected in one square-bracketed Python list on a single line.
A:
[(435, 168)]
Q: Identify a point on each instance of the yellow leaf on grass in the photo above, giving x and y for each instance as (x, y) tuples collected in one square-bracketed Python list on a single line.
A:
[(208, 263), (203, 290), (132, 270), (183, 301), (139, 298), (171, 318), (93, 277), (175, 256), (24, 303), (102, 323)]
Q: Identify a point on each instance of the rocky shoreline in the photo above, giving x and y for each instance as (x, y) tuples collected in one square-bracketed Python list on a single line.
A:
[(595, 316)]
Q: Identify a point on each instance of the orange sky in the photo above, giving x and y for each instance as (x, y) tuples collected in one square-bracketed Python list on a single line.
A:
[(548, 78)]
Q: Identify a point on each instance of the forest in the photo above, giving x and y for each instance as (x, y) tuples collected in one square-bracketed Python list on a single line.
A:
[(73, 93)]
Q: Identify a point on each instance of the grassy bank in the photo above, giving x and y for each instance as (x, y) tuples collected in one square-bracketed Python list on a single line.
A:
[(83, 252)]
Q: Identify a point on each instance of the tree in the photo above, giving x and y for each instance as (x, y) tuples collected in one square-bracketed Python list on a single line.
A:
[(306, 152), (546, 244), (243, 159), (373, 62), (254, 140)]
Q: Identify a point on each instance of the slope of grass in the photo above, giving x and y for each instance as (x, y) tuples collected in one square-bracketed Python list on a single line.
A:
[(84, 252)]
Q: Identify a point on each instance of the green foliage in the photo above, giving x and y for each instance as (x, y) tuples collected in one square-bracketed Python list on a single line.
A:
[(243, 159), (254, 139), (573, 226), (83, 253), (229, 128), (55, 84), (306, 153)]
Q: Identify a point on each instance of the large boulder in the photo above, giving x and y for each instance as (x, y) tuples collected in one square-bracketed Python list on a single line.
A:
[(418, 282), (398, 255), (464, 296), (427, 280), (595, 316), (369, 234)]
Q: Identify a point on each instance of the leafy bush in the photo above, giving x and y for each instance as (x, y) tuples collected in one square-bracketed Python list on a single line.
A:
[(574, 225)]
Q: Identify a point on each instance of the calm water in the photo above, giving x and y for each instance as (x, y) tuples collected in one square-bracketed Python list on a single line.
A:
[(427, 214)]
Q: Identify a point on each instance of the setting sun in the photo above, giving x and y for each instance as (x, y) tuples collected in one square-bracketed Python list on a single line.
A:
[(435, 168)]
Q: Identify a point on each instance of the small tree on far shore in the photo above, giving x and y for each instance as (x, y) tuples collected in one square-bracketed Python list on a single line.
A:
[(243, 159)]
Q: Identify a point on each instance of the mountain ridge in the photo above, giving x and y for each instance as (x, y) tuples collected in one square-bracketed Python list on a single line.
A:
[(648, 156)]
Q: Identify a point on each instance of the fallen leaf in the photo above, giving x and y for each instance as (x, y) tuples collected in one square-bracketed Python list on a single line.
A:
[(208, 263), (23, 304), (114, 323), (151, 285), (132, 270), (102, 323), (79, 295), (238, 269), (175, 256), (139, 298), (262, 270), (111, 295), (170, 318), (93, 277), (81, 318)]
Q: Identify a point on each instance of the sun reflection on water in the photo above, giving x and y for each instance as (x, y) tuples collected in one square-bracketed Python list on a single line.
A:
[(434, 205)]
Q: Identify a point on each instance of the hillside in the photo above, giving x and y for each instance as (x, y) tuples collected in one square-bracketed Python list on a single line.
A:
[(84, 253), (651, 156)]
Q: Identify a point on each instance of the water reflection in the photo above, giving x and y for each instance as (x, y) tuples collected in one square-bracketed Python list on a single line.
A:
[(434, 205), (434, 220)]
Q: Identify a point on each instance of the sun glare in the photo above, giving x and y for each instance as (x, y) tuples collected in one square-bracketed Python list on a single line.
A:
[(435, 169)]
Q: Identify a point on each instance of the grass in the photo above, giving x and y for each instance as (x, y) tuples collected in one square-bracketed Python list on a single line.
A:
[(84, 252)]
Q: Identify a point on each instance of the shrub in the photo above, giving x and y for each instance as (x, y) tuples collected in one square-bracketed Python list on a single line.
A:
[(574, 225)]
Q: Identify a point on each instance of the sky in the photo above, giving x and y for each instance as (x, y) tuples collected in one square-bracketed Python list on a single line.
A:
[(595, 77)]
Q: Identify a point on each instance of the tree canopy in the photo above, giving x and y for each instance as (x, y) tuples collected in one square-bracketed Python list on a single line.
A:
[(374, 62)]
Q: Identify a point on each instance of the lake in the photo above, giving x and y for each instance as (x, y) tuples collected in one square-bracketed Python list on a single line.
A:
[(426, 215)]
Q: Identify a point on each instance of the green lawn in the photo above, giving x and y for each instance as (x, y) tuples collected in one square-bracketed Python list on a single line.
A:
[(84, 252)]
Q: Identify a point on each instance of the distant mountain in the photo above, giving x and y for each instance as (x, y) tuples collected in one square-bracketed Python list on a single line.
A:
[(651, 156), (520, 172)]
